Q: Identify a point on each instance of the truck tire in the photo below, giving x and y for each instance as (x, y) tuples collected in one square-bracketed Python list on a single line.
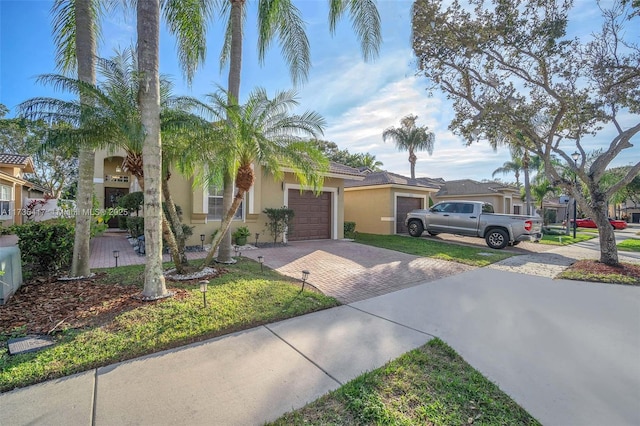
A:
[(497, 239), (415, 228)]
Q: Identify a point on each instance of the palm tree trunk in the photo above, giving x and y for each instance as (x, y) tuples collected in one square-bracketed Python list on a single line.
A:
[(412, 161), (224, 226), (176, 239), (148, 27), (235, 71), (85, 55)]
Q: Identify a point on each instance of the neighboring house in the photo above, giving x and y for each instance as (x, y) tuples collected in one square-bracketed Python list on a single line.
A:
[(628, 211), (315, 217), (15, 189), (380, 203), (555, 210), (504, 198)]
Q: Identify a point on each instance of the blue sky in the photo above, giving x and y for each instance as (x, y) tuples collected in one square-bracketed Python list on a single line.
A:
[(358, 100)]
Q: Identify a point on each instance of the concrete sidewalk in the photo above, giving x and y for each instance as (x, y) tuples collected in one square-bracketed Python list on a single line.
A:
[(566, 351)]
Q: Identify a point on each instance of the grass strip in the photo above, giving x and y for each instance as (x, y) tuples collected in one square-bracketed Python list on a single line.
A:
[(240, 299), (435, 249), (630, 244), (431, 385)]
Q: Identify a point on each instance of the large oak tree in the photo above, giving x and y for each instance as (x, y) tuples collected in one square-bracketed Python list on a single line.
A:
[(515, 77)]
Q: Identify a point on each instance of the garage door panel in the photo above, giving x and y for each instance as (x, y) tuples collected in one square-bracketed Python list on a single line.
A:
[(403, 206), (312, 215)]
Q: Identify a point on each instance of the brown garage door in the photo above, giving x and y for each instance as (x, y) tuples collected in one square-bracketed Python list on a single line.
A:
[(312, 215), (404, 206)]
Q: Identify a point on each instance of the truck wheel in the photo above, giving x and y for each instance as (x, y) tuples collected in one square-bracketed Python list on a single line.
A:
[(497, 239), (415, 228)]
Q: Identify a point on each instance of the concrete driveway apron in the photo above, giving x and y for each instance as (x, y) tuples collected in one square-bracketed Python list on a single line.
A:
[(350, 271), (567, 351)]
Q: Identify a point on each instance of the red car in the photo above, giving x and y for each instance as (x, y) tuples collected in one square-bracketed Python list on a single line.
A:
[(589, 223)]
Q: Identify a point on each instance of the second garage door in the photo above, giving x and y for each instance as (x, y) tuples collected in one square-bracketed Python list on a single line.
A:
[(404, 206), (312, 215)]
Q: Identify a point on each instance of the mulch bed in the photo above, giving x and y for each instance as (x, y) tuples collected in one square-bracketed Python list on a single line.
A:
[(44, 306), (596, 267)]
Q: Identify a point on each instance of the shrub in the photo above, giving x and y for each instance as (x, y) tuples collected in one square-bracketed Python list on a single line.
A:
[(280, 221), (135, 225), (349, 229), (132, 202), (46, 246)]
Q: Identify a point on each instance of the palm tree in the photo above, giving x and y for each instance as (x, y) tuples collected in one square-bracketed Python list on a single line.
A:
[(148, 23), (113, 121), (513, 166), (540, 191), (369, 161), (282, 19), (75, 30), (262, 131), (409, 137)]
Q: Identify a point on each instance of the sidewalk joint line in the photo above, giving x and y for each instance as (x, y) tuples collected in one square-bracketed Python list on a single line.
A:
[(392, 321), (95, 398), (304, 356)]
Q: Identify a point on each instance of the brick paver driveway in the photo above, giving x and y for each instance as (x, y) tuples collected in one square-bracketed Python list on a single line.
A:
[(350, 271)]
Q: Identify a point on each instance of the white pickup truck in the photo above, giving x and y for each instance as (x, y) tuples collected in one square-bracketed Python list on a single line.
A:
[(475, 219)]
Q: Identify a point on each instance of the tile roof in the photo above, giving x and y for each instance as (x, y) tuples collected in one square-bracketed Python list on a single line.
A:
[(343, 169), (472, 187), (388, 178), (18, 160)]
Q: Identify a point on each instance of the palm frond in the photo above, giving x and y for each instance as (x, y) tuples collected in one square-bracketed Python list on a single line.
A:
[(365, 21), (188, 21)]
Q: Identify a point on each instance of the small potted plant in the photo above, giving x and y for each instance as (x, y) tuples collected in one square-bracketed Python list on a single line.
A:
[(240, 235)]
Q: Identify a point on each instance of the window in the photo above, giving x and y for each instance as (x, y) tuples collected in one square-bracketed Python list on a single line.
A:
[(516, 209), (487, 208), (215, 205), (5, 200)]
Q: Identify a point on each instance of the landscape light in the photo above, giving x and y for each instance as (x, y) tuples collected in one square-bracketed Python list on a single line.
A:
[(116, 254), (305, 276), (203, 290)]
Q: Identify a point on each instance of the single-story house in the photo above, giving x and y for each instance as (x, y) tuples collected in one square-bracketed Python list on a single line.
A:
[(379, 203), (504, 198), (15, 189), (315, 217)]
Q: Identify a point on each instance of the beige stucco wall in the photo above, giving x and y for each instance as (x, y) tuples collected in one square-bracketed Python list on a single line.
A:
[(266, 193), (105, 165), (371, 209)]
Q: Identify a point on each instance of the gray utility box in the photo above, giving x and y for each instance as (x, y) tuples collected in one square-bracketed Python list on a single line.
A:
[(11, 265)]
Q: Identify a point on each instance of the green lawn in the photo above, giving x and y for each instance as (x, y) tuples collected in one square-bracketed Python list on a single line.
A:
[(564, 240), (630, 244), (431, 385), (241, 299), (436, 249)]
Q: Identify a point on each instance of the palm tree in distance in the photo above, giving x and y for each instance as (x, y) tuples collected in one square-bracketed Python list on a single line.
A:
[(263, 132), (369, 161), (411, 138), (512, 166), (282, 20)]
